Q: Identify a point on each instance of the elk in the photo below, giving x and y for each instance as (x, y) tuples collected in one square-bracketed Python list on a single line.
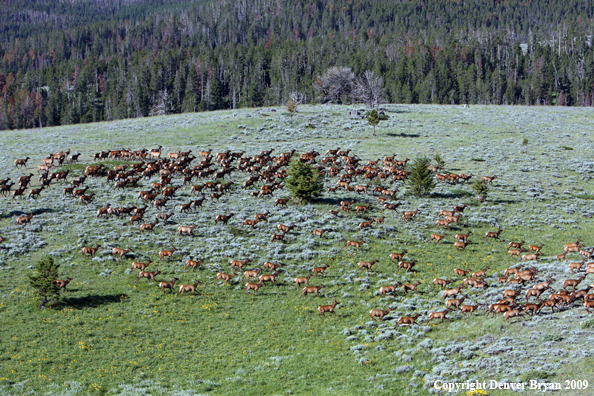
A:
[(516, 252), (489, 179), (277, 237), (446, 212), (437, 237), (238, 263), (167, 253), (168, 285), (441, 282), (407, 320), (398, 256), (572, 244), (148, 275), (21, 162), (379, 220), (451, 292), (262, 216), (223, 218), (572, 249), (513, 313), (24, 219), (253, 286), (585, 254), (311, 289), (409, 214), (389, 289), (185, 229), (494, 235), (164, 216), (269, 278), (588, 305), (140, 266), (390, 206), (438, 315), (515, 245), (322, 309), (529, 257), (188, 288), (575, 267), (320, 270), (379, 313), (148, 226), (406, 265), (444, 223), (459, 245), (536, 248), (362, 208), (481, 273), (251, 274), (120, 252), (573, 282), (460, 272), (85, 199), (193, 263), (498, 308), (354, 244), (225, 277), (410, 286), (366, 264), (469, 308), (455, 302), (319, 233), (534, 293), (300, 280), (90, 250), (281, 202), (285, 228), (62, 283)]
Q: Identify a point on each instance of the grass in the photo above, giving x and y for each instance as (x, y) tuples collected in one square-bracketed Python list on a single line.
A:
[(109, 333)]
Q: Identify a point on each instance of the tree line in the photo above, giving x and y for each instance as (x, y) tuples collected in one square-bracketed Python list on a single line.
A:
[(222, 55)]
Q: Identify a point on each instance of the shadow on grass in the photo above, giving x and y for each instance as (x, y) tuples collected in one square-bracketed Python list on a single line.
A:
[(404, 135), (36, 212), (92, 301)]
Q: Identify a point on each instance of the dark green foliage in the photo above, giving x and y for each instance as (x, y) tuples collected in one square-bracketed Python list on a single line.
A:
[(42, 281), (440, 163), (481, 188), (525, 142), (304, 182), (373, 119), (421, 181)]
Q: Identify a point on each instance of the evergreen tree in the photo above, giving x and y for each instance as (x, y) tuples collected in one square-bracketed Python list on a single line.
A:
[(420, 182), (481, 188), (304, 182), (373, 119), (42, 280)]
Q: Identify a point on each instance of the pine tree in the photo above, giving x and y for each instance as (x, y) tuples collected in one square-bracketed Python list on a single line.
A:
[(420, 181), (373, 119), (304, 182), (42, 280), (481, 188)]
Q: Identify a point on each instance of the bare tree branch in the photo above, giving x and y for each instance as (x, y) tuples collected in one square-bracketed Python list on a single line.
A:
[(369, 89)]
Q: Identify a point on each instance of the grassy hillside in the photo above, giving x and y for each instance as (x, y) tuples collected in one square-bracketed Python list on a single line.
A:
[(112, 335)]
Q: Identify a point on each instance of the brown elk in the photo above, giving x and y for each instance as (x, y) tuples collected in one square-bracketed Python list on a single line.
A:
[(238, 263), (167, 253), (534, 293), (530, 257), (322, 309), (572, 249), (446, 212), (573, 282), (285, 228), (269, 278), (362, 208), (355, 244), (575, 267), (535, 248), (481, 273), (389, 289), (311, 289), (272, 266), (223, 218), (469, 308), (320, 270), (410, 286), (281, 202), (366, 264), (398, 256), (136, 218), (302, 280), (85, 199), (441, 282), (225, 277), (495, 235), (140, 266), (164, 216), (515, 245), (21, 162), (379, 220), (319, 233), (409, 214), (516, 252), (90, 250), (513, 313), (407, 265), (407, 320), (585, 254), (437, 315), (444, 223), (489, 179), (379, 313), (120, 252), (437, 237), (588, 305), (460, 245), (391, 206), (62, 283), (168, 285), (188, 288), (365, 224), (460, 272), (455, 302), (498, 308), (262, 216), (148, 226), (251, 274), (193, 263), (572, 244), (24, 219), (148, 275), (277, 237), (452, 292), (185, 229)]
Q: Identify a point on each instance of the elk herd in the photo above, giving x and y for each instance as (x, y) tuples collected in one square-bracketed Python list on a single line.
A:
[(182, 174)]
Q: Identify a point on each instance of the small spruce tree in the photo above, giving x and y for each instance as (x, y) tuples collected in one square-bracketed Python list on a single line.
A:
[(304, 182), (420, 182), (481, 188), (439, 160), (373, 119), (42, 280)]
